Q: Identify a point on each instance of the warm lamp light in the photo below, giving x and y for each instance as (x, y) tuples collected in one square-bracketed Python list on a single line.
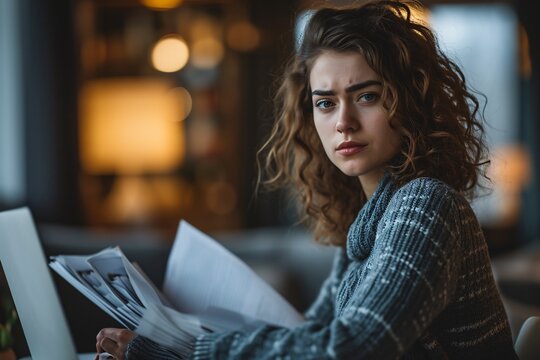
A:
[(510, 172), (161, 4), (130, 126)]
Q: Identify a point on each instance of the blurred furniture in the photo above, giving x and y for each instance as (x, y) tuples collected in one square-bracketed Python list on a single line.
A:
[(528, 341), (89, 356), (518, 276)]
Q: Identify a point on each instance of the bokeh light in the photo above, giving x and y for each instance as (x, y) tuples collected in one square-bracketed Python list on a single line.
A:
[(183, 97), (207, 52), (170, 54), (243, 36)]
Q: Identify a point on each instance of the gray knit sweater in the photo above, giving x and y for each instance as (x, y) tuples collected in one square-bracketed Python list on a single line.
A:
[(414, 282)]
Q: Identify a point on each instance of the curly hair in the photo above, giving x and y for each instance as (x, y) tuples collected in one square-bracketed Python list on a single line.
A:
[(424, 93)]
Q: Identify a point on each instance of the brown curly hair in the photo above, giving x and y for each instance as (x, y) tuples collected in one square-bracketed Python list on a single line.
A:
[(425, 95)]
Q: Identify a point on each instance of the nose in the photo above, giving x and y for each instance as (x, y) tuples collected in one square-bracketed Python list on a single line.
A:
[(347, 119)]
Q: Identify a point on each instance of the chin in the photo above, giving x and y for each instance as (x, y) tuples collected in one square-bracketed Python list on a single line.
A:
[(352, 167), (353, 172)]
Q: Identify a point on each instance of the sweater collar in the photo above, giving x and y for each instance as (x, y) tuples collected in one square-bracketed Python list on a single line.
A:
[(363, 230)]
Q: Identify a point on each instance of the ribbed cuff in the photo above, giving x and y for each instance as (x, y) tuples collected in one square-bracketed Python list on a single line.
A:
[(203, 347), (141, 348)]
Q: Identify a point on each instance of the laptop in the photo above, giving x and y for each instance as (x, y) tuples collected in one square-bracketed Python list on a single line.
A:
[(31, 285)]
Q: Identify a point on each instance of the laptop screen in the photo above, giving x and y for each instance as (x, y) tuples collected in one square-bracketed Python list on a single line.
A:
[(32, 289)]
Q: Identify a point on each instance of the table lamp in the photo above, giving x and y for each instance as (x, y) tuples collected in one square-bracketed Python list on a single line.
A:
[(130, 127)]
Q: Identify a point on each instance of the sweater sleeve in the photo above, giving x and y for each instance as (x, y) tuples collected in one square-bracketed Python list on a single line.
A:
[(141, 348), (410, 280), (322, 309)]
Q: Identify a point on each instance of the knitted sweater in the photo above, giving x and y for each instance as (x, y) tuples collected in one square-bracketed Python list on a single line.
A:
[(414, 282)]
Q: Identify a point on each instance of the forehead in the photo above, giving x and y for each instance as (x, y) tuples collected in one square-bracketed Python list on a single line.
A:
[(333, 69)]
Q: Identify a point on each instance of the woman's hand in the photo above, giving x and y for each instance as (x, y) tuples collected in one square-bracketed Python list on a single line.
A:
[(114, 341)]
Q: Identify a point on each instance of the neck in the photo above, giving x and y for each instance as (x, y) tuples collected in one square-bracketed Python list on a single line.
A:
[(370, 181)]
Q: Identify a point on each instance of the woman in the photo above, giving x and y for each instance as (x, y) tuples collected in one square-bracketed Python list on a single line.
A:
[(382, 140)]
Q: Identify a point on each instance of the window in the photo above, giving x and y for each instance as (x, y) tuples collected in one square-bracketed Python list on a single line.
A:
[(11, 121), (483, 40)]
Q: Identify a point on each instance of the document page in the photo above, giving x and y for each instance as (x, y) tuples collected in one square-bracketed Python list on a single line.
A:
[(203, 277), (207, 289), (79, 273), (122, 290)]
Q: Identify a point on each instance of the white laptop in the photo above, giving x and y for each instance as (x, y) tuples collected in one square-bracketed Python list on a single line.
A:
[(31, 285)]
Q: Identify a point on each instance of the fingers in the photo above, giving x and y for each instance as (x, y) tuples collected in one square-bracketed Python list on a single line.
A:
[(114, 341), (112, 348), (118, 335)]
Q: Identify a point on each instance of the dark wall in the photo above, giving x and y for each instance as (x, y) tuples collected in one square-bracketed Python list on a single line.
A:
[(263, 68), (50, 109), (530, 132)]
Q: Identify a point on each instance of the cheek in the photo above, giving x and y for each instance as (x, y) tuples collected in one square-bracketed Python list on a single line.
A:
[(389, 139), (321, 131), (394, 141), (324, 131)]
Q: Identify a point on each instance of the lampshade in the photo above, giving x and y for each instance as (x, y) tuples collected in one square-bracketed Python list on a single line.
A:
[(130, 126)]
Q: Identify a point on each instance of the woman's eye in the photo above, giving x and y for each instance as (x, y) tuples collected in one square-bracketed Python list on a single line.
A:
[(324, 104), (369, 97)]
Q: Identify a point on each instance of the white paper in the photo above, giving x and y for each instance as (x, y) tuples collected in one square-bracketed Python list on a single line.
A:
[(207, 289), (170, 328), (68, 267), (202, 275)]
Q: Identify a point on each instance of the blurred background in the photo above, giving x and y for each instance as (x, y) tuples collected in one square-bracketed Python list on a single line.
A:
[(118, 118)]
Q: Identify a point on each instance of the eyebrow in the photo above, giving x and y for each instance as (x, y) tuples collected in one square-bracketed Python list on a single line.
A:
[(349, 89)]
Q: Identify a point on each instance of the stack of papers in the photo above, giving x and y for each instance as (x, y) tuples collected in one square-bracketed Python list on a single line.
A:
[(206, 289)]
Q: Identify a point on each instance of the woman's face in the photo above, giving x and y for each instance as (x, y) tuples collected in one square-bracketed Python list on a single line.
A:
[(349, 115)]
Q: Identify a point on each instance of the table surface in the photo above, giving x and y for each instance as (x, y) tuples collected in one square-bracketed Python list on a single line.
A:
[(87, 356)]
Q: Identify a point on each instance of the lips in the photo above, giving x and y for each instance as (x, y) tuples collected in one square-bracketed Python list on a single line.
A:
[(347, 148)]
